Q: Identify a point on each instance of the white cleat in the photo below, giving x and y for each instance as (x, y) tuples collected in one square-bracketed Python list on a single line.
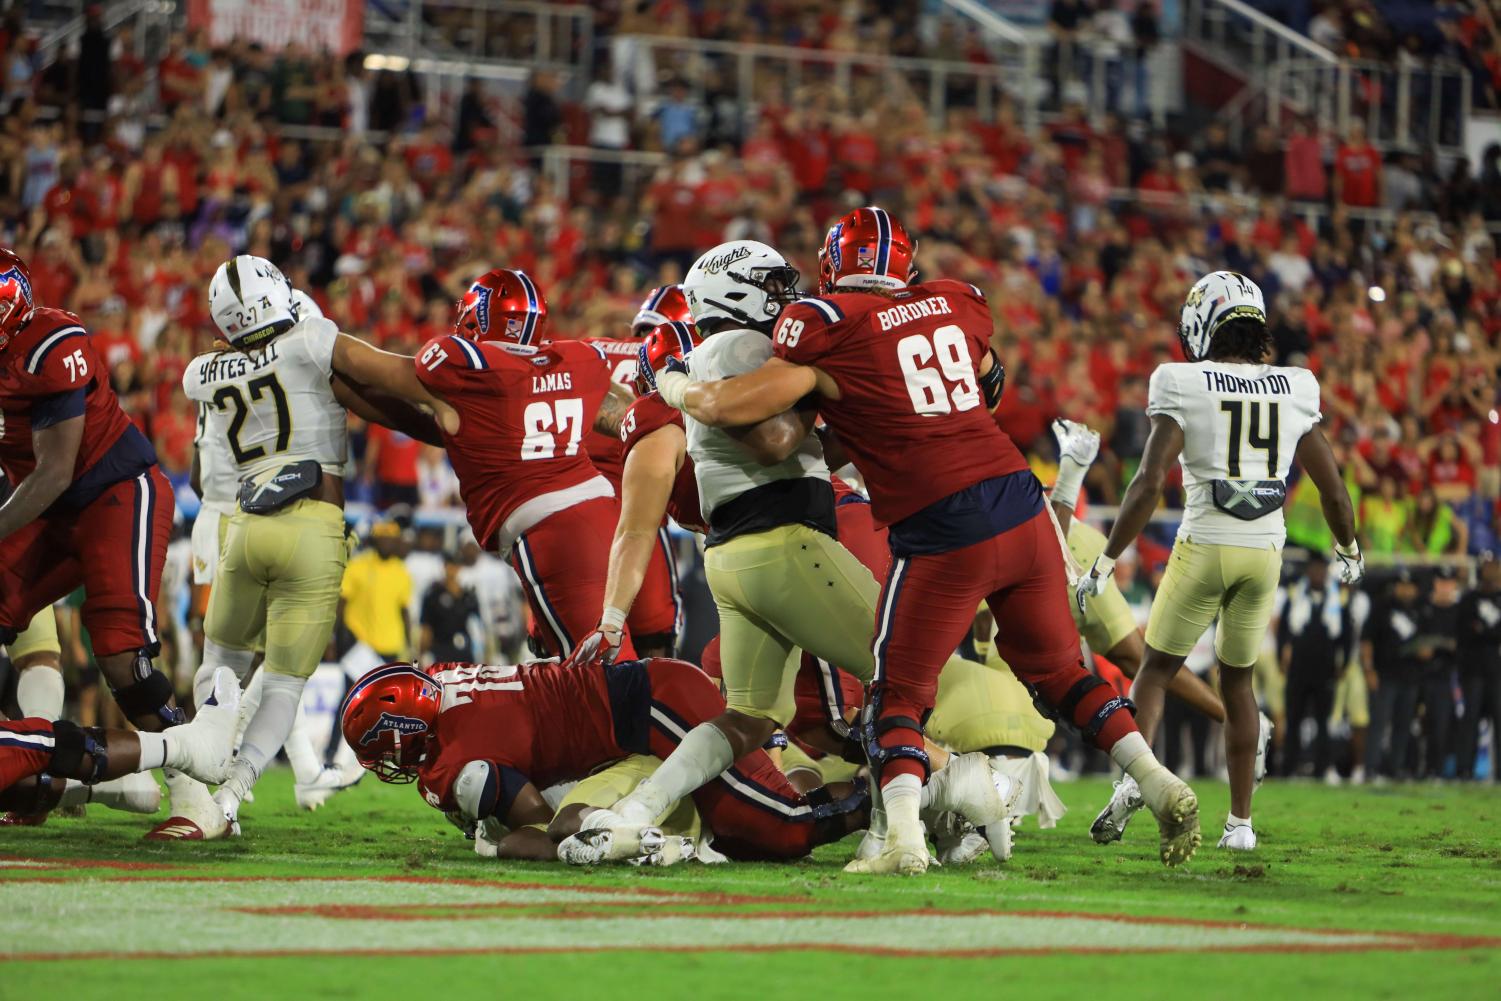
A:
[(968, 786), (1112, 821), (874, 841), (204, 748), (957, 841), (1263, 741), (610, 844), (674, 849), (1239, 838), (314, 794), (229, 807), (905, 851)]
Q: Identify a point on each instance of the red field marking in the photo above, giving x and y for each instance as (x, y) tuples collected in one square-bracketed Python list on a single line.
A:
[(48, 865)]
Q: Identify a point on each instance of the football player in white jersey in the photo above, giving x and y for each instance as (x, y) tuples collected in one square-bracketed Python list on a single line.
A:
[(275, 396), (1236, 423)]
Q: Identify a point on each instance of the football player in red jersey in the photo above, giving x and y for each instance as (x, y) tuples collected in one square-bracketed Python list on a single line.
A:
[(482, 741), (901, 371), (523, 405), (42, 761), (655, 615), (90, 506)]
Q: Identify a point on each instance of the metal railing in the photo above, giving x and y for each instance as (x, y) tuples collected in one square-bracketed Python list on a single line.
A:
[(553, 36), (931, 81)]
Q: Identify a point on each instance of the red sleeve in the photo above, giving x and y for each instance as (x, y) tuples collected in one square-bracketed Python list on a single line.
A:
[(586, 355), (444, 364), (802, 336), (62, 360), (647, 414)]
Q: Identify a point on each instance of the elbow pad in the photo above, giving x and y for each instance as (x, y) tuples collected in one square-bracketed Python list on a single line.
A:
[(483, 791), (993, 382)]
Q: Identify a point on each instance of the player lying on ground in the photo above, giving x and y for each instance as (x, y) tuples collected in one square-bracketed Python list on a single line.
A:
[(1230, 417), (482, 740), (37, 755), (900, 373)]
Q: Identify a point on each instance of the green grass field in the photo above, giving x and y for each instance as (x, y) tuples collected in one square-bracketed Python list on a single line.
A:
[(1354, 893)]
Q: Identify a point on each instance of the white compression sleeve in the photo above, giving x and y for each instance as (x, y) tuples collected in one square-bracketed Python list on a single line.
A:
[(39, 692)]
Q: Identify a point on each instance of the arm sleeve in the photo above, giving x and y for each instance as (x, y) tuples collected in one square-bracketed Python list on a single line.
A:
[(1164, 398), (801, 336), (50, 410)]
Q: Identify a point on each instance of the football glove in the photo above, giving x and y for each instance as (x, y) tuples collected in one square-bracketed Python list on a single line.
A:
[(1076, 442), (603, 644), (1351, 563), (1093, 583)]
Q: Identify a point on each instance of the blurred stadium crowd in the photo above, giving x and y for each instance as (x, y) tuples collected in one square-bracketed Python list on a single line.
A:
[(126, 182)]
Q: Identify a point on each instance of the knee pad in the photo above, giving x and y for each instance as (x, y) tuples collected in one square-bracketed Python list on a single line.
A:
[(148, 695), (874, 725), (70, 742), (1096, 722)]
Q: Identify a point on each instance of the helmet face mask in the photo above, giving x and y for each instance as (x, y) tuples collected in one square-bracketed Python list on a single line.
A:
[(251, 301), (16, 300), (667, 340), (388, 718)]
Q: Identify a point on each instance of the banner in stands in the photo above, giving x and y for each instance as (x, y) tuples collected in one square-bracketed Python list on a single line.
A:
[(321, 25)]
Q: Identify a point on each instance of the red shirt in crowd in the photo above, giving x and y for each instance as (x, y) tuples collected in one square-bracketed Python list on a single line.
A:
[(1359, 171)]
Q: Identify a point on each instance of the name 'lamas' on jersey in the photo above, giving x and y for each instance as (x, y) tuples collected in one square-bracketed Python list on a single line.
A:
[(1241, 427)]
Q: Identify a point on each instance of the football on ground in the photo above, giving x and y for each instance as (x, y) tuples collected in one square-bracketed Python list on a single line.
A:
[(1352, 893)]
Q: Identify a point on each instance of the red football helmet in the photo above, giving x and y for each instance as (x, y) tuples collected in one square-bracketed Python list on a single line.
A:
[(388, 717), (865, 248), (665, 304), (502, 305), (16, 303), (673, 339)]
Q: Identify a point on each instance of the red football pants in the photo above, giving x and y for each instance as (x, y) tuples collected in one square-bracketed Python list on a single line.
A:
[(115, 548), (25, 749), (562, 562), (928, 606), (753, 810)]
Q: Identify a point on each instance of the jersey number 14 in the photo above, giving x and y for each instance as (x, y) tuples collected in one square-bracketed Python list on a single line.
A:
[(1245, 426)]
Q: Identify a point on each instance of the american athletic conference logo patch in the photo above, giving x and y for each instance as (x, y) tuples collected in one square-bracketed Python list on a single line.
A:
[(388, 723)]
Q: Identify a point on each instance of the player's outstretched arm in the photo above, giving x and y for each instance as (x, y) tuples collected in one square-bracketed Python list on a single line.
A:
[(746, 399), (56, 448), (376, 407), (1164, 443), (1317, 460), (395, 374), (651, 467)]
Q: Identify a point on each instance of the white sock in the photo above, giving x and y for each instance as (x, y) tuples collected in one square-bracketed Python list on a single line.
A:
[(267, 731), (250, 701), (39, 692), (306, 764), (902, 796), (702, 755), (1232, 820), (1136, 759), (154, 750), (214, 655)]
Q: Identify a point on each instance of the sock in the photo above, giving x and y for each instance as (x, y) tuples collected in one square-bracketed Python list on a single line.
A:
[(1233, 821), (39, 692), (215, 655), (1136, 759), (250, 701), (305, 762), (75, 793), (154, 750), (267, 731), (702, 755), (127, 793), (903, 796)]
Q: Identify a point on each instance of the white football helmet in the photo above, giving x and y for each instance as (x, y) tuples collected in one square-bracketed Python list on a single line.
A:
[(743, 281), (1215, 298), (250, 301), (304, 306)]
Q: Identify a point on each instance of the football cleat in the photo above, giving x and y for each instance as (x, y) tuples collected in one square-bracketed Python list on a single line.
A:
[(311, 795), (674, 849), (13, 819), (957, 841), (203, 748), (968, 786), (874, 841), (904, 851), (1178, 824), (1263, 740), (610, 844), (1240, 838), (1112, 821)]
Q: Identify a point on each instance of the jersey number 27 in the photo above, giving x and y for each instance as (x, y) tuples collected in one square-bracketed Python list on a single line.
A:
[(931, 364)]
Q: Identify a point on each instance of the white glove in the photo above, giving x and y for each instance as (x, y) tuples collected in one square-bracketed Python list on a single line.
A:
[(673, 382), (1076, 441), (1093, 583), (1351, 563), (603, 644)]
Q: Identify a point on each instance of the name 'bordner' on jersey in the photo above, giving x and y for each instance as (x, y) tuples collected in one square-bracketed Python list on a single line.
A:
[(1241, 427)]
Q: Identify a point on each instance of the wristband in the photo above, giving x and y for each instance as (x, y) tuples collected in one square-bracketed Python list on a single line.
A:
[(1352, 551), (671, 386), (612, 618), (1103, 566), (1066, 486)]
